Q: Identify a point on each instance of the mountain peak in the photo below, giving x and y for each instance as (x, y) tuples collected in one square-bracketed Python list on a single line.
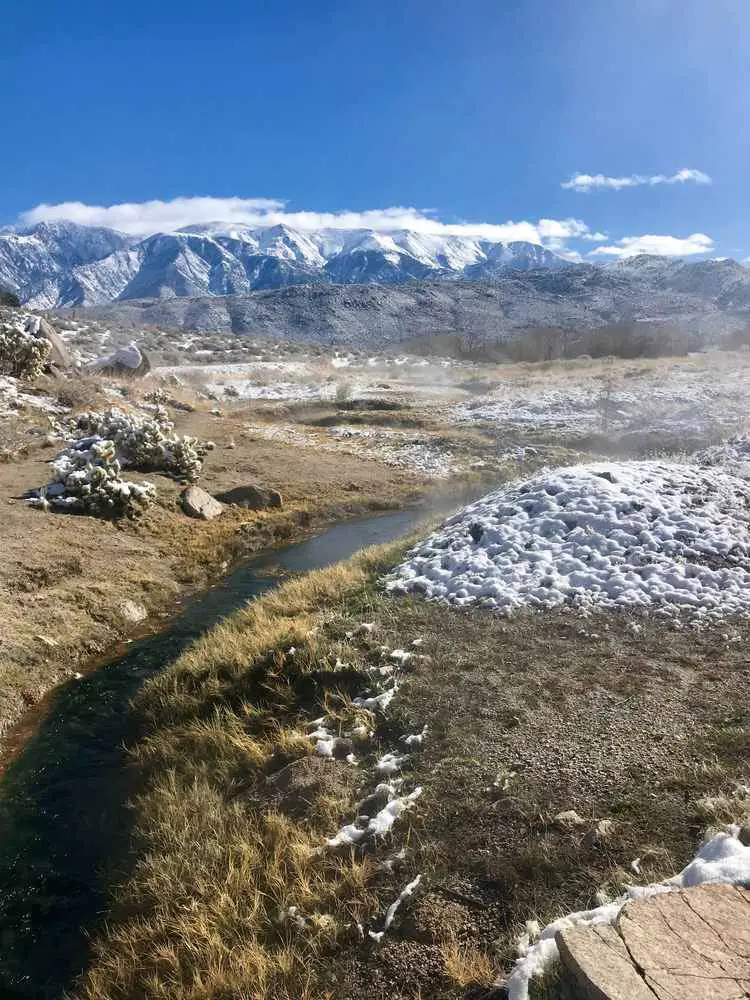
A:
[(55, 264)]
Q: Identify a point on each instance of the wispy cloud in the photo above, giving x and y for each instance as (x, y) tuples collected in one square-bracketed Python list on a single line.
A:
[(593, 182), (144, 218), (661, 246)]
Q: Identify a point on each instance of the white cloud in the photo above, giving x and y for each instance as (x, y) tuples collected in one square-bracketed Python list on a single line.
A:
[(144, 218), (595, 237), (590, 182), (661, 246)]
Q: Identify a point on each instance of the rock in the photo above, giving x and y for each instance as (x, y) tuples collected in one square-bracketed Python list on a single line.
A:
[(196, 502), (129, 360), (252, 497), (596, 958), (568, 820), (744, 835), (133, 612), (694, 943), (59, 355), (476, 531), (599, 833)]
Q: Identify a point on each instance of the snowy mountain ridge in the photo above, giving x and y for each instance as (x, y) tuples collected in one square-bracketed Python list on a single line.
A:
[(55, 265)]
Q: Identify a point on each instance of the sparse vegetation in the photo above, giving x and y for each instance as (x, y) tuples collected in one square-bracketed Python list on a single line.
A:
[(9, 299), (466, 965), (22, 355)]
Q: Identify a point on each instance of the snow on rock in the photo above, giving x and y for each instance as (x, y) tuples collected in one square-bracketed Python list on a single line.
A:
[(612, 534), (723, 858), (128, 356)]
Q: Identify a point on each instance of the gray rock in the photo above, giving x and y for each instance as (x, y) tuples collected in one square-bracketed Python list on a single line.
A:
[(129, 360), (693, 944), (568, 820), (196, 502), (59, 354), (252, 497), (132, 612)]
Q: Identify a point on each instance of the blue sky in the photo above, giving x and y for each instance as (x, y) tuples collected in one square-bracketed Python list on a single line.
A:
[(467, 114)]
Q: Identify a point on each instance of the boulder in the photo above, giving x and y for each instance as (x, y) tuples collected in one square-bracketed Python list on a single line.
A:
[(252, 497), (196, 502), (598, 961), (129, 360), (133, 612), (700, 937), (59, 355)]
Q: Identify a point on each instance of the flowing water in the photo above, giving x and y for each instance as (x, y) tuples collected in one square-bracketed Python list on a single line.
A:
[(63, 818)]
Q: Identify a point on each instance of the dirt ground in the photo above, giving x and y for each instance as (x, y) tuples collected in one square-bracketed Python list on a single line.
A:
[(614, 717), (65, 581)]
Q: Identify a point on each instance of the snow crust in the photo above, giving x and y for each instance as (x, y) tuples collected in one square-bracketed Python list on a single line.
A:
[(406, 893), (723, 858), (700, 398), (648, 535), (379, 824)]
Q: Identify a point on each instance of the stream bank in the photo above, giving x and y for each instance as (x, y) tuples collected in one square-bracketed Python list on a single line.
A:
[(63, 814)]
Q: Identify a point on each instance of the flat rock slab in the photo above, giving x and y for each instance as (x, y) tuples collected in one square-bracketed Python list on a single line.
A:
[(687, 945), (597, 959)]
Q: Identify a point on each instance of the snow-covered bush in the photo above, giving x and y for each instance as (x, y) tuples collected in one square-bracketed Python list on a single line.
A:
[(86, 479), (22, 354), (147, 443)]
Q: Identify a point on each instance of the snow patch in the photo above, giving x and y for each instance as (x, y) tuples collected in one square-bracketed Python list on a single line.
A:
[(648, 535)]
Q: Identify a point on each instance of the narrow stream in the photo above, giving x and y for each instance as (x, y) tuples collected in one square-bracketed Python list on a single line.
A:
[(63, 820)]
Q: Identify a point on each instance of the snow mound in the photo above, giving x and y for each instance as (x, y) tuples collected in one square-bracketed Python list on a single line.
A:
[(615, 534)]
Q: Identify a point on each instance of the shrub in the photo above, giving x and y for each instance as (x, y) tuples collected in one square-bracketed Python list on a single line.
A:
[(22, 354), (147, 443), (86, 479), (9, 299)]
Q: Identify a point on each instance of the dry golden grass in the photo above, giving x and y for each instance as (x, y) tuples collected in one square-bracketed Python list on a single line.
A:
[(205, 913), (466, 965)]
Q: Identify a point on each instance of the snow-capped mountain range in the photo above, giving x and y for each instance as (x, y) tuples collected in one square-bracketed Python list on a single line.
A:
[(59, 264)]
